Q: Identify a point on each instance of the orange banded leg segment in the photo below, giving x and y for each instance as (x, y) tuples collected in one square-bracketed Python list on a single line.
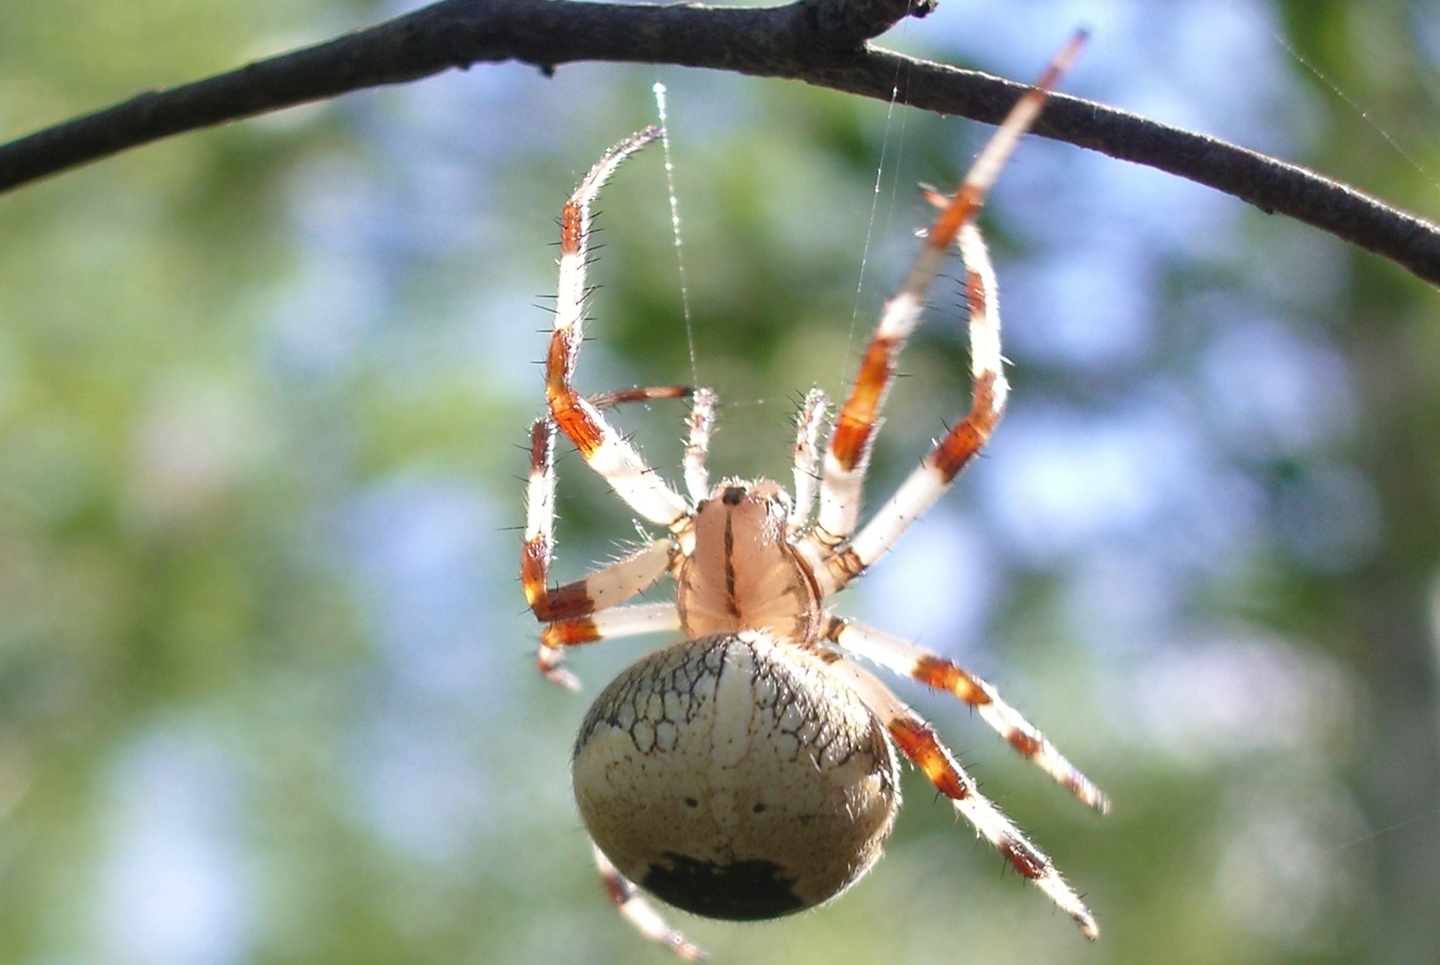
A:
[(859, 418), (933, 670), (603, 448), (918, 742), (619, 621), (937, 472), (639, 912), (601, 589)]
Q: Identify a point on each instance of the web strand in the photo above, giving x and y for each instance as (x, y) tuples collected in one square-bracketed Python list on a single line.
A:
[(1350, 102), (874, 208), (659, 91)]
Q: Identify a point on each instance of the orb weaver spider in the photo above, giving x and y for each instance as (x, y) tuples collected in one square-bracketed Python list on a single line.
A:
[(749, 770)]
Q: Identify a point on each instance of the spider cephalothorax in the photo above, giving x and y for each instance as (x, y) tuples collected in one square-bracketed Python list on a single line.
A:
[(743, 573), (749, 771)]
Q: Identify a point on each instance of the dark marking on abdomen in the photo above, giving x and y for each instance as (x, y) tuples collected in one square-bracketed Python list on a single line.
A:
[(731, 603), (739, 891)]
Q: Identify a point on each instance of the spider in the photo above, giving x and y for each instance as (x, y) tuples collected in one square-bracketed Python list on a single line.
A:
[(749, 770)]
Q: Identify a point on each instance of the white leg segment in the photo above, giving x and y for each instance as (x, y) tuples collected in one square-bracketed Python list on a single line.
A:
[(619, 581), (632, 479), (576, 603), (620, 621), (697, 448), (540, 487), (808, 423), (631, 621), (841, 492)]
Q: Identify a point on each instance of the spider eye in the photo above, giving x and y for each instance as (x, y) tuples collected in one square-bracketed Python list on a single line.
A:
[(733, 495)]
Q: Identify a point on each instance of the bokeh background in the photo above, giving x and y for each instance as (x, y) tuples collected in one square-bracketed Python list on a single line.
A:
[(266, 691)]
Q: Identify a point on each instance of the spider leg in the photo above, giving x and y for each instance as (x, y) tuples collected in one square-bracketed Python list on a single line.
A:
[(599, 590), (602, 447), (605, 587), (933, 670), (853, 436), (607, 400), (567, 610), (640, 913), (700, 421), (937, 472), (697, 447), (917, 741), (618, 621), (808, 422)]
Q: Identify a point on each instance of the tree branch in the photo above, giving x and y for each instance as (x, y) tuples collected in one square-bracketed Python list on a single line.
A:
[(821, 42)]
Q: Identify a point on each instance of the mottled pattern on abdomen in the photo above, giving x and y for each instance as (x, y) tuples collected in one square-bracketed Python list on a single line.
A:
[(733, 777)]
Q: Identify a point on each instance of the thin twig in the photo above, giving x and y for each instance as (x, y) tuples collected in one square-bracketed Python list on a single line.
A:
[(821, 42)]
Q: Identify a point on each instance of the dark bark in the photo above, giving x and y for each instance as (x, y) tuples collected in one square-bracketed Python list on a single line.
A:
[(821, 42)]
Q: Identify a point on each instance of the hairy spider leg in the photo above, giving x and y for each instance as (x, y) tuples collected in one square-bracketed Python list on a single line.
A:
[(611, 624), (697, 445), (853, 436), (808, 423), (937, 471), (701, 422), (563, 608), (918, 742), (639, 912), (602, 588), (608, 585), (607, 400), (602, 447), (933, 670)]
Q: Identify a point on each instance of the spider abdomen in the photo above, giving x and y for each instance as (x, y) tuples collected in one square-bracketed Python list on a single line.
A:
[(731, 777)]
